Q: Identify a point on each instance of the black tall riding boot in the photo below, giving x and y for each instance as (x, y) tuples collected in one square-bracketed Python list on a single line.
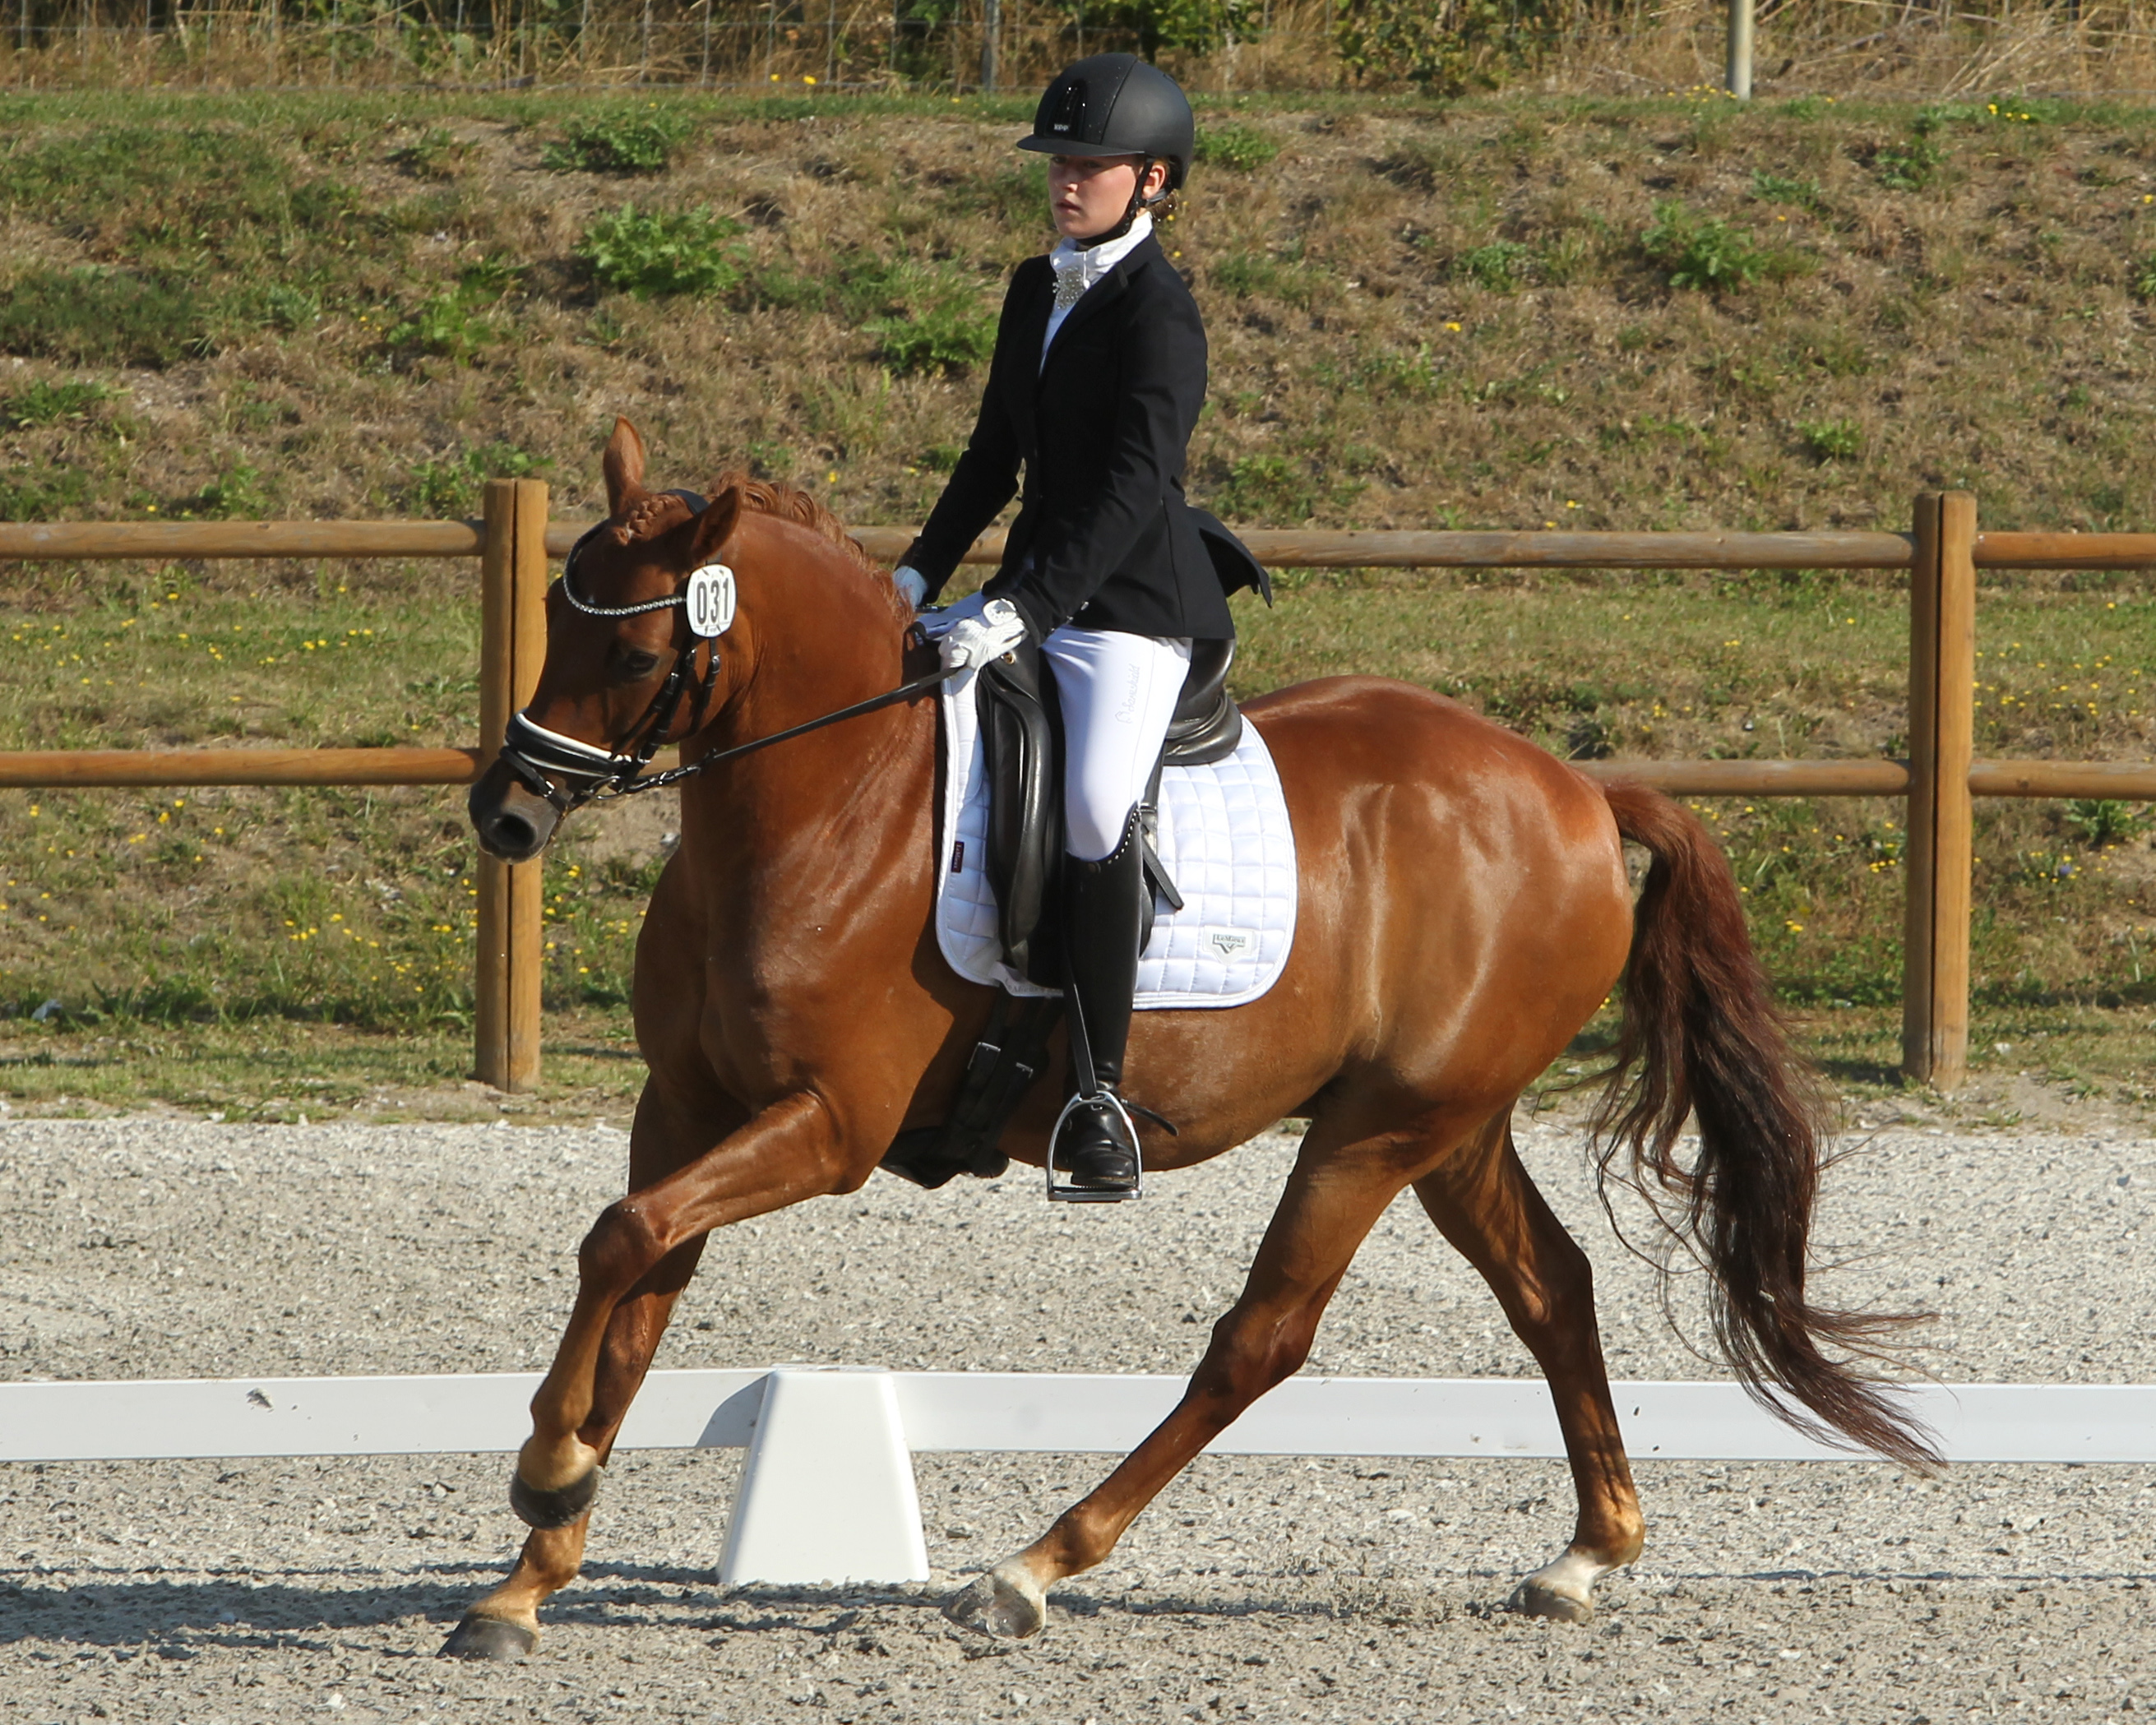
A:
[(1103, 906)]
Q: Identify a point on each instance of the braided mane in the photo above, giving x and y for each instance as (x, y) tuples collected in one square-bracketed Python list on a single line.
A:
[(659, 512), (789, 504)]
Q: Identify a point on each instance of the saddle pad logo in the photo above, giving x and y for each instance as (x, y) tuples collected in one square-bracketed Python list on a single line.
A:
[(1228, 942)]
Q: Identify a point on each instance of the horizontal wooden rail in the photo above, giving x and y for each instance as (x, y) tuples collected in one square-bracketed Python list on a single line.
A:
[(52, 541), (2066, 551), (1287, 548), (2120, 781), (1291, 548), (1759, 778), (58, 769)]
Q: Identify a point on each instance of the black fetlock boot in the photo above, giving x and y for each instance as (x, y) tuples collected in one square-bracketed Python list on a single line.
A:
[(1096, 1147)]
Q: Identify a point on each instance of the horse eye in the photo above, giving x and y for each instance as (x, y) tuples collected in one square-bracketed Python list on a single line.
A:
[(638, 664)]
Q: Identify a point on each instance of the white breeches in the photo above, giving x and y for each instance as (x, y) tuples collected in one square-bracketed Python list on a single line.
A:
[(1118, 694)]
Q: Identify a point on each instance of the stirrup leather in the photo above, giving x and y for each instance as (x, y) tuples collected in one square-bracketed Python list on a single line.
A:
[(1062, 1192)]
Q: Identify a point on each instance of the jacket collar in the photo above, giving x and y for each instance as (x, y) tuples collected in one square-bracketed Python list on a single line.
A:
[(1104, 292)]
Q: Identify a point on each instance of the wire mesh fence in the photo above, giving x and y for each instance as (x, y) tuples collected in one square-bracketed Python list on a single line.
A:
[(1933, 48)]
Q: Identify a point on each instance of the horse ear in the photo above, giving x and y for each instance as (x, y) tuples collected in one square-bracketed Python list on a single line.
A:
[(715, 526), (624, 466)]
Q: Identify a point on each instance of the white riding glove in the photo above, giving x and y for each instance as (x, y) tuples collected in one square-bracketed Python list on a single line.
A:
[(976, 640), (939, 622), (911, 584)]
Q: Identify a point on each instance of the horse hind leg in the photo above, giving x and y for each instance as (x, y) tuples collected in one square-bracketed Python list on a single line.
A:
[(1486, 1205), (1338, 1190), (505, 1624)]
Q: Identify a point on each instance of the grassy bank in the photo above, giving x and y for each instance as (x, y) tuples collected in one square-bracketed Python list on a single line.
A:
[(1503, 312)]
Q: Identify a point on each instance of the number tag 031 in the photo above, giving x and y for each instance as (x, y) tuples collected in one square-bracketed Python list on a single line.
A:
[(711, 600)]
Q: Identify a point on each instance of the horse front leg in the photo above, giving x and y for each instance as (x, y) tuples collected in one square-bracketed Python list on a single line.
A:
[(1486, 1205), (791, 1151), (505, 1624), (1330, 1202)]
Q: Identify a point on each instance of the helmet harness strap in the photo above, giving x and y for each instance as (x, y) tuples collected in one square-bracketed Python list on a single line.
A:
[(1138, 202)]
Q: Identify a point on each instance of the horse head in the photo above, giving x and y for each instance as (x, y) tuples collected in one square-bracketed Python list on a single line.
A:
[(641, 653)]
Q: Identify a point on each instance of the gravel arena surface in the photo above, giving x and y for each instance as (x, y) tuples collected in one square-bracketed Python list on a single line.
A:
[(1265, 1588)]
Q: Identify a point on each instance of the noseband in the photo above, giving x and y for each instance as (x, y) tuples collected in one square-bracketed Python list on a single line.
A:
[(538, 756)]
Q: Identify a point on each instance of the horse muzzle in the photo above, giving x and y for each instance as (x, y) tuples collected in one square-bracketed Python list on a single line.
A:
[(513, 822)]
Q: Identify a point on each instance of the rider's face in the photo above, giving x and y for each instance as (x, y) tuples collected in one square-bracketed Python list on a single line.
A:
[(1088, 194)]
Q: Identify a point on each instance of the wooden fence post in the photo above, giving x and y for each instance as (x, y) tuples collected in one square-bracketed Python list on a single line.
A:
[(1941, 741), (512, 647)]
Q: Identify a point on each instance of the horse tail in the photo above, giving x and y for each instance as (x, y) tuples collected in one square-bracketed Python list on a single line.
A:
[(1701, 1037)]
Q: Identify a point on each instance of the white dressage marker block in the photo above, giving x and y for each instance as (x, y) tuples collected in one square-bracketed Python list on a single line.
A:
[(827, 1491)]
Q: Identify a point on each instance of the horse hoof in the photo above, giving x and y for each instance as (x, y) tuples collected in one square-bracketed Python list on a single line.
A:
[(1006, 1603), (1534, 1598), (489, 1638), (538, 1508)]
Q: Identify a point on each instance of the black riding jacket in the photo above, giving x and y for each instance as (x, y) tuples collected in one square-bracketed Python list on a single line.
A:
[(1104, 538)]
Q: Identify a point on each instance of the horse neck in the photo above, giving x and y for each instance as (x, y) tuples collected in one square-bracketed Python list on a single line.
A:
[(825, 632), (824, 636)]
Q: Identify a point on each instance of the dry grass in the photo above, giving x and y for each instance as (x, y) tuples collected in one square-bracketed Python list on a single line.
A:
[(1421, 315)]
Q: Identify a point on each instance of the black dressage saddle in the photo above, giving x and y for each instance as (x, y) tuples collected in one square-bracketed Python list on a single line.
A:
[(1022, 744)]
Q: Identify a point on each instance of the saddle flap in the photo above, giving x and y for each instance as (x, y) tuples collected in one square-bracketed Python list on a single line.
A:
[(1207, 724), (1020, 743)]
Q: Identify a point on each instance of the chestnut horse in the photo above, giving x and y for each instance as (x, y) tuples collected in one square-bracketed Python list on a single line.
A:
[(1465, 909)]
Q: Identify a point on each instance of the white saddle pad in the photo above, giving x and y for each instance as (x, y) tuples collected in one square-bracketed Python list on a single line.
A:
[(1224, 839)]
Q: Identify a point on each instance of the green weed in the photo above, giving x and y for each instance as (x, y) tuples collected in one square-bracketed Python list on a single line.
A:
[(1266, 488), (1908, 166), (650, 254), (2098, 821), (923, 318), (291, 308), (237, 494), (50, 403), (1701, 252), (617, 143), (101, 317), (454, 325), (1830, 440), (1249, 274), (41, 492), (946, 334), (448, 489), (2141, 277), (1244, 148), (436, 154), (1501, 266), (1777, 188)]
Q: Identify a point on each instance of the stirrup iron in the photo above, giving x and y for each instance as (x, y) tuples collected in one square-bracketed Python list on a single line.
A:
[(1067, 1193)]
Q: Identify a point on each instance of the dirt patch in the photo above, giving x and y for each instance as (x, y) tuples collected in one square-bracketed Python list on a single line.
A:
[(1271, 1588)]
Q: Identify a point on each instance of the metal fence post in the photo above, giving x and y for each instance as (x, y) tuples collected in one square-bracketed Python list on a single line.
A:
[(1941, 741), (512, 646), (1737, 75)]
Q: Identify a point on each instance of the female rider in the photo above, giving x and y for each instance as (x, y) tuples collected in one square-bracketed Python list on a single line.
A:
[(1098, 376)]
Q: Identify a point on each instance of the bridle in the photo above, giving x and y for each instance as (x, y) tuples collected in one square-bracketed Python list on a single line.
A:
[(538, 756)]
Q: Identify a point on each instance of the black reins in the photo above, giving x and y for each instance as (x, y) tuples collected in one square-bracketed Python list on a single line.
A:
[(538, 755)]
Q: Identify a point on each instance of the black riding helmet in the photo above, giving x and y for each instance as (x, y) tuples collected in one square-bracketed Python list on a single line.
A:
[(1116, 105)]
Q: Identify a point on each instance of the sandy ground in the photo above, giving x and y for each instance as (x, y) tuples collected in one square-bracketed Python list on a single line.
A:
[(1259, 1588)]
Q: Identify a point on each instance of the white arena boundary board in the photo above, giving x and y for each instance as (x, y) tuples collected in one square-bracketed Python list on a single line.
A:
[(827, 1491), (158, 1419)]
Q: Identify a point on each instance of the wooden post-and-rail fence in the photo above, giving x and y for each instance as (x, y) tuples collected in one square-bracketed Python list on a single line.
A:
[(516, 542)]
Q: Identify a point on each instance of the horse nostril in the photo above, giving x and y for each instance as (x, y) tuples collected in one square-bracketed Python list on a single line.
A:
[(512, 835)]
